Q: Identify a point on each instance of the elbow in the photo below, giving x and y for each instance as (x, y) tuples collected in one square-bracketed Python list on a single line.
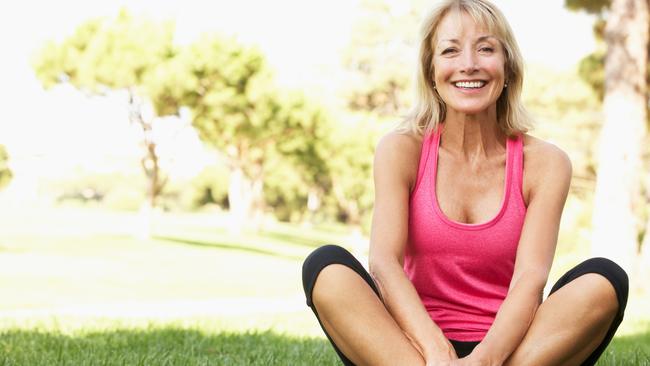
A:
[(378, 265), (383, 267), (533, 280)]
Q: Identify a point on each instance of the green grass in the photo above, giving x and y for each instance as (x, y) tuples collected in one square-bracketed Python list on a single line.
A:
[(162, 346), (89, 261), (199, 343), (628, 350)]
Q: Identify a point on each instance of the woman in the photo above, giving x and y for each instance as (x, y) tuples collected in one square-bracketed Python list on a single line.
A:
[(466, 219)]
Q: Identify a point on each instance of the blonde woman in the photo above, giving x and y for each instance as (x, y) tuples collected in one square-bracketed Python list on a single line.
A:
[(466, 220)]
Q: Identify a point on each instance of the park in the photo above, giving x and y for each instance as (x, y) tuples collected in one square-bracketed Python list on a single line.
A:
[(160, 190)]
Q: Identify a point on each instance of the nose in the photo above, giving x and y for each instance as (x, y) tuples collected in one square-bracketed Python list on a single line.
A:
[(469, 62)]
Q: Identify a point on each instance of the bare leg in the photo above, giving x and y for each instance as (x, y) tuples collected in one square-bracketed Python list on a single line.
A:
[(357, 321), (570, 324)]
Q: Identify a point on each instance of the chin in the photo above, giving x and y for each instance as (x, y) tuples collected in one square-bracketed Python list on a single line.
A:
[(471, 110)]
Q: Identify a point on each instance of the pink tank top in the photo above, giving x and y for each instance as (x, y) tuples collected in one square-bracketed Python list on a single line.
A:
[(462, 271)]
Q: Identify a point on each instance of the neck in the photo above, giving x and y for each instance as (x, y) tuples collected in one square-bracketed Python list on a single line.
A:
[(472, 137)]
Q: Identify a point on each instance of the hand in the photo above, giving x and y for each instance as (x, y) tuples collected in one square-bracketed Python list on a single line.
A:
[(471, 360), (466, 361), (442, 358)]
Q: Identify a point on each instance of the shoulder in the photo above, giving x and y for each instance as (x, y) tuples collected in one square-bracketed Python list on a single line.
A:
[(400, 143), (545, 163), (399, 154)]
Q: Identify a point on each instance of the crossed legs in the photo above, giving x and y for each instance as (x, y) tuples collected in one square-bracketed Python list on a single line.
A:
[(575, 323)]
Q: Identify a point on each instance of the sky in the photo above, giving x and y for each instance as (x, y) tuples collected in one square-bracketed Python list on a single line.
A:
[(299, 38)]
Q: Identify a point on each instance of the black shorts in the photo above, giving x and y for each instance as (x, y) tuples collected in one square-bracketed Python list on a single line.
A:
[(333, 254)]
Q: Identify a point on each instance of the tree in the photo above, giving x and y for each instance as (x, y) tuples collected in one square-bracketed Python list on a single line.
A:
[(237, 109), (381, 56), (108, 54), (625, 31), (5, 172)]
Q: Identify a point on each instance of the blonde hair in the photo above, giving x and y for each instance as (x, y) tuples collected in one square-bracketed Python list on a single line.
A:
[(429, 109)]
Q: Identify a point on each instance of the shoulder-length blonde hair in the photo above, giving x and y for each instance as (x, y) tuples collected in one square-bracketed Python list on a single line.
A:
[(429, 109)]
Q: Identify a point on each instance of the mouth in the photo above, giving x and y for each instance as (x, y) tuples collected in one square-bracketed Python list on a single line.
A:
[(470, 85)]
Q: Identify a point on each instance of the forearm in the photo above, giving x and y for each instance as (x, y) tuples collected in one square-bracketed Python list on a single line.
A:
[(404, 304), (511, 323)]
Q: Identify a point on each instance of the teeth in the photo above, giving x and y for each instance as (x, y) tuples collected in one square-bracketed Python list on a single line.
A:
[(470, 84)]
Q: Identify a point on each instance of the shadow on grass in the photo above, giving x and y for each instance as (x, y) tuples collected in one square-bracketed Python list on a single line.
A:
[(165, 346), (293, 239), (219, 245)]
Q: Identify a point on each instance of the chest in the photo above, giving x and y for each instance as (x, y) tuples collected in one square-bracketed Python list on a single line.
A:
[(472, 194)]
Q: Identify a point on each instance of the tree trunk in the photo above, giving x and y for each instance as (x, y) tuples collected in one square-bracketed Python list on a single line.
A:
[(149, 162), (245, 199), (314, 202), (645, 245), (615, 233)]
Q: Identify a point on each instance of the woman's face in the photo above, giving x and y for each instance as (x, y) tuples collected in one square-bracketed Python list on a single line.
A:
[(469, 65)]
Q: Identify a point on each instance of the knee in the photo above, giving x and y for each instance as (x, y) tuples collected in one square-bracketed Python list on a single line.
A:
[(615, 277), (316, 263), (599, 294)]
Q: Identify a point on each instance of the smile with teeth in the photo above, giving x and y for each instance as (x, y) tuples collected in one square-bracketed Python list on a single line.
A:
[(470, 84)]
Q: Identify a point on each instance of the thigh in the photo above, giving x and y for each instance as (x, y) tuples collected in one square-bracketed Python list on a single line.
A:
[(576, 322), (348, 307)]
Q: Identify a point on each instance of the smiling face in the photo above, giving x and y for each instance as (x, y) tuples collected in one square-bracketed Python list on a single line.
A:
[(469, 65)]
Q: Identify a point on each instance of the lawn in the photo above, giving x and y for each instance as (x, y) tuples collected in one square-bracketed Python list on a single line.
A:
[(78, 288)]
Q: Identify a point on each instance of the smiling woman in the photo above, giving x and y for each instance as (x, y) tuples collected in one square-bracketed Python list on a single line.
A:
[(468, 46), (466, 220)]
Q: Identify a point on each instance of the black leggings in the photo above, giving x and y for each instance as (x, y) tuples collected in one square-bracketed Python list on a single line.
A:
[(333, 254)]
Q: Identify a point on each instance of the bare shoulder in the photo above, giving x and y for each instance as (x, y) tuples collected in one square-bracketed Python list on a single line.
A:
[(399, 154), (545, 163)]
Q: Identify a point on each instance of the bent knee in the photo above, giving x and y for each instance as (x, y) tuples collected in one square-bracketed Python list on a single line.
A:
[(334, 282), (601, 292), (320, 259), (611, 278)]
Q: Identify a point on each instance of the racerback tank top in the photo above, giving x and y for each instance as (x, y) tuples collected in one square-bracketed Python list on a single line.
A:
[(462, 271)]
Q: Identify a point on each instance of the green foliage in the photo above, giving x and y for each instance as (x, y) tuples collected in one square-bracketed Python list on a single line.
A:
[(106, 53), (234, 104), (5, 172), (115, 190), (350, 167), (590, 6), (114, 54), (285, 190), (237, 109), (380, 57), (592, 67), (568, 113), (592, 71), (208, 188)]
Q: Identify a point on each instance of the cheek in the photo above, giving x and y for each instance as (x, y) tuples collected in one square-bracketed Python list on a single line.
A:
[(441, 71), (498, 67)]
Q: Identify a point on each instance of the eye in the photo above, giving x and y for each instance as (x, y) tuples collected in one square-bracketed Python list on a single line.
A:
[(448, 50), (487, 49)]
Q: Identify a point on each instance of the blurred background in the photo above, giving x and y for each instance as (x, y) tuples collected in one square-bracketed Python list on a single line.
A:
[(166, 166)]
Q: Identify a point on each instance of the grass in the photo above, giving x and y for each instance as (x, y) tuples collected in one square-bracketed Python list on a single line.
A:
[(70, 280), (111, 342), (162, 346)]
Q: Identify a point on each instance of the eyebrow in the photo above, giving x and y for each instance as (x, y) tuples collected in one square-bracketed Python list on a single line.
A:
[(480, 39)]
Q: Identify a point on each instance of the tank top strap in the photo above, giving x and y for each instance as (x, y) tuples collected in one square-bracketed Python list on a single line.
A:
[(427, 141), (516, 152)]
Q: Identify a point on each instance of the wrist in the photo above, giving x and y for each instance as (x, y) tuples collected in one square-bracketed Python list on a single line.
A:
[(485, 357), (441, 349)]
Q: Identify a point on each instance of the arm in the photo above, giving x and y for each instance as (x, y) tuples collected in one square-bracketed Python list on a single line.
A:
[(395, 171), (534, 258)]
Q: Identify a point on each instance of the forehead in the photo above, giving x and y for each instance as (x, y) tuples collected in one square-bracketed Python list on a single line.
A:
[(459, 24)]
